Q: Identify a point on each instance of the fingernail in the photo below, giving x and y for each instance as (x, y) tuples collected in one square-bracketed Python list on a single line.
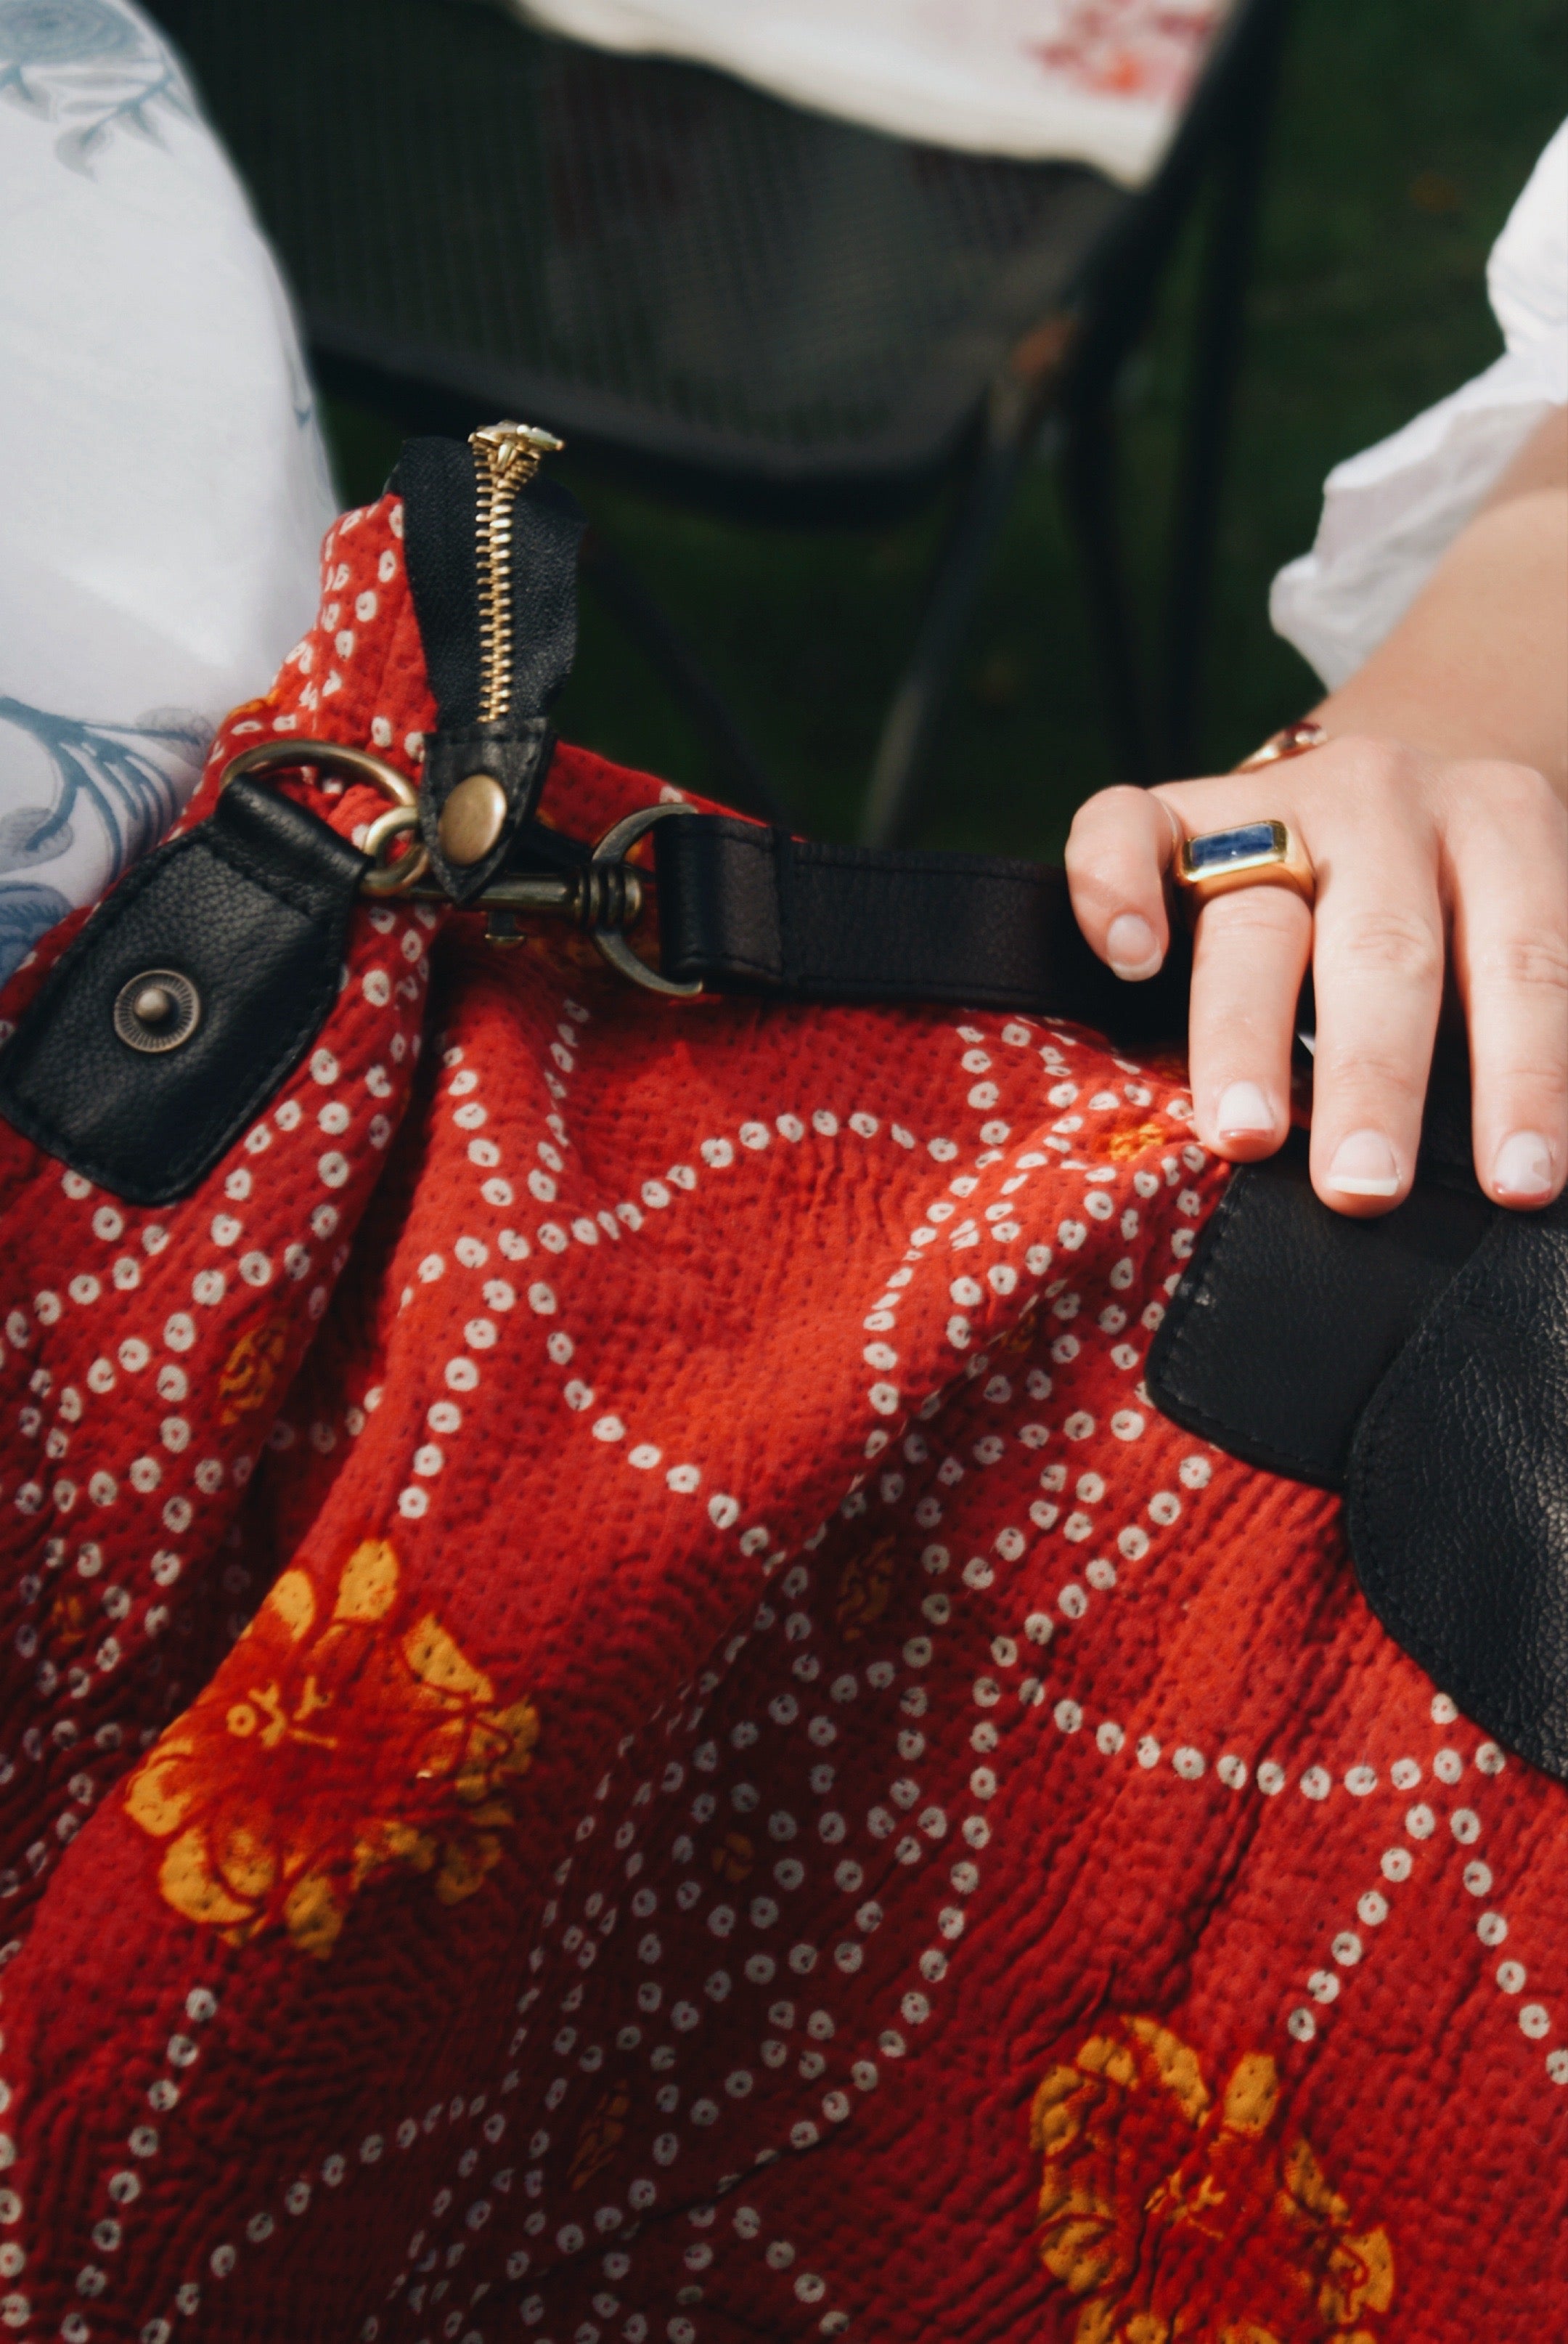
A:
[(1364, 1164), (1132, 946), (1242, 1110), (1523, 1167)]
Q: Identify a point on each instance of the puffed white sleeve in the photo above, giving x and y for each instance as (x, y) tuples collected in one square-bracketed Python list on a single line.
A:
[(1389, 512)]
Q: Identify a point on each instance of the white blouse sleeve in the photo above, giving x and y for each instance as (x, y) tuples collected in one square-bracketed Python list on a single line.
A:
[(1389, 514)]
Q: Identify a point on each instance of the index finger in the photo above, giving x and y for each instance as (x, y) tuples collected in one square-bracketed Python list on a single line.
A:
[(1118, 853)]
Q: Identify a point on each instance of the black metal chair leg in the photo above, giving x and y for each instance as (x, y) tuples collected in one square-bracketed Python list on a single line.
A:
[(908, 729), (623, 594), (1216, 357), (1089, 492)]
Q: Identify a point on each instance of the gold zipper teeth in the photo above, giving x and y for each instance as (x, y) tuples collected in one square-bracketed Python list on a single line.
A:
[(506, 457), (495, 533)]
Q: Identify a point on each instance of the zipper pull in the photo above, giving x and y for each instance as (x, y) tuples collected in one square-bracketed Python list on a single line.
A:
[(492, 563)]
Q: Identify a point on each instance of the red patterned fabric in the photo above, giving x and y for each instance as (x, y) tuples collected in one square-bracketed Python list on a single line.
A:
[(621, 1723)]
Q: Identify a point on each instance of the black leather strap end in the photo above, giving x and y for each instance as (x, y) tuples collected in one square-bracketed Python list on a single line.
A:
[(518, 757), (748, 910), (251, 909), (1457, 1494), (1290, 1315), (435, 478)]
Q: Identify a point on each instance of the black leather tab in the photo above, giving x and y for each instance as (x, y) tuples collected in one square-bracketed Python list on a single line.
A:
[(518, 755), (252, 908), (1290, 1315), (749, 910), (1457, 1499), (435, 478)]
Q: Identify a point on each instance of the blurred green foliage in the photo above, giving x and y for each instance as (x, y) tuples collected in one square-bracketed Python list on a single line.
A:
[(1404, 134)]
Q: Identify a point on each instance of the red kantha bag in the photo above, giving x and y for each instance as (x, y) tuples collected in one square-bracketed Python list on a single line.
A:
[(622, 1722)]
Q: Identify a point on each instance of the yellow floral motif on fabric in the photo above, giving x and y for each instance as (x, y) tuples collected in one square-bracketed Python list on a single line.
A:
[(1135, 1140), (333, 1743), (865, 1589), (600, 2136), (1177, 2216), (247, 1375), (734, 1858)]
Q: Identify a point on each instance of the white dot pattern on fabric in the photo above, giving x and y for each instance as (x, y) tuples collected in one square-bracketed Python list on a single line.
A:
[(192, 1311), (744, 1796), (1188, 1762)]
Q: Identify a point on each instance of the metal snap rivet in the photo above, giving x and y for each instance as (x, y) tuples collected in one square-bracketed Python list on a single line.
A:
[(472, 820), (157, 1010)]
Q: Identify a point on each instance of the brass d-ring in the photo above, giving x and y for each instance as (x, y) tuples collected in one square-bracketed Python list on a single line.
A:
[(610, 852), (269, 757), (387, 877)]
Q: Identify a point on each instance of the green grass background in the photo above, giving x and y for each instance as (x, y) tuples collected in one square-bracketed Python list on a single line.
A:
[(1405, 131)]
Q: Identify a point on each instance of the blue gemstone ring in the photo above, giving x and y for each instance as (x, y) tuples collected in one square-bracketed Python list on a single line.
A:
[(1254, 854)]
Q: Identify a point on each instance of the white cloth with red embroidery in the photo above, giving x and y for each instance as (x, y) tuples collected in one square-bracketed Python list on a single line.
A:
[(1091, 81), (163, 484)]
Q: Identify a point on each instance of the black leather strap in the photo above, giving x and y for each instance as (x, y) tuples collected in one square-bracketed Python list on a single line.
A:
[(745, 909), (436, 481), (251, 909), (1418, 1362), (1290, 1315), (1456, 1501)]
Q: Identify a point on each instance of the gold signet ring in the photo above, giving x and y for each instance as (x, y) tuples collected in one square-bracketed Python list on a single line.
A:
[(1254, 854)]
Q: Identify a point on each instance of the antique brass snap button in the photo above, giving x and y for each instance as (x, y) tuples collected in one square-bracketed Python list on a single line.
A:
[(472, 820), (157, 1010)]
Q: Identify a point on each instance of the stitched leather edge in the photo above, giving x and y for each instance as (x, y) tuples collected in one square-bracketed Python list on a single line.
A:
[(1173, 1337), (760, 845), (242, 859), (536, 737), (187, 1171), (184, 1172)]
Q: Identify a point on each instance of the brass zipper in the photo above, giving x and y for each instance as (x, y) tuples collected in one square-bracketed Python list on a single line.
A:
[(506, 457)]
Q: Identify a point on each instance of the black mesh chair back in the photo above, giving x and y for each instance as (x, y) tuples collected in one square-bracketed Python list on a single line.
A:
[(731, 298)]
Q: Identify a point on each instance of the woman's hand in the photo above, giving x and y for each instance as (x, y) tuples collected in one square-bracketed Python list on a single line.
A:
[(1420, 860), (1435, 818)]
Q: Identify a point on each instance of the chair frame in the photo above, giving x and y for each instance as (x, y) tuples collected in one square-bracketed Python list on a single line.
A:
[(1062, 375)]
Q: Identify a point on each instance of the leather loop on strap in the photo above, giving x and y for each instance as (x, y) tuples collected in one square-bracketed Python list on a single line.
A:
[(744, 909)]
